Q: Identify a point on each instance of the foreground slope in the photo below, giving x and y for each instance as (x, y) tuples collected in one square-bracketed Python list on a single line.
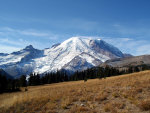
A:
[(124, 94), (76, 53)]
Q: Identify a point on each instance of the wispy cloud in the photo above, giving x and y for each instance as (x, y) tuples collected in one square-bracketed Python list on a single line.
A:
[(73, 24), (32, 33), (136, 30), (143, 49), (17, 38), (11, 42), (29, 32), (8, 49), (130, 45), (59, 24)]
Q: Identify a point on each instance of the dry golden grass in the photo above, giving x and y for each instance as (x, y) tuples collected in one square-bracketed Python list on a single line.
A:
[(121, 94), (144, 105), (101, 97)]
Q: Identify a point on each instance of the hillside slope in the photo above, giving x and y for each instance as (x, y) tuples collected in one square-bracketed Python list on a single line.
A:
[(129, 61), (126, 93)]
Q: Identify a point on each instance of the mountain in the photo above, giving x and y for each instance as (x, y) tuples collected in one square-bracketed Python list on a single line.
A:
[(3, 54), (128, 61), (76, 53), (20, 62)]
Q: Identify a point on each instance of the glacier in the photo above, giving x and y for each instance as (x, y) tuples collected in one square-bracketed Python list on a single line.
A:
[(75, 53)]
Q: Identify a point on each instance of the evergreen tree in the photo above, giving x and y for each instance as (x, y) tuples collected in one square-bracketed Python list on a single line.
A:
[(130, 70), (3, 83), (31, 80), (22, 80), (136, 69), (85, 79)]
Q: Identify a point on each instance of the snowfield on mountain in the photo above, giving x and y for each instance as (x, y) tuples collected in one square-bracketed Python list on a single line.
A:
[(76, 53)]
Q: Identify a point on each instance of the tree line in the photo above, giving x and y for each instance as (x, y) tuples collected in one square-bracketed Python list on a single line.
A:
[(10, 85)]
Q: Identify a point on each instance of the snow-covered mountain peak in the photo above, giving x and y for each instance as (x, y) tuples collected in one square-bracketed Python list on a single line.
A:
[(29, 47), (55, 45), (75, 53), (77, 41), (26, 50), (80, 39), (71, 40)]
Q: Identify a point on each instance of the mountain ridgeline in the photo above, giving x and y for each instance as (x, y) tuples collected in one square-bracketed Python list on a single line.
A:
[(76, 53)]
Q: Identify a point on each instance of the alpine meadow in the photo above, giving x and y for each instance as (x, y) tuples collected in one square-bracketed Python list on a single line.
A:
[(74, 56)]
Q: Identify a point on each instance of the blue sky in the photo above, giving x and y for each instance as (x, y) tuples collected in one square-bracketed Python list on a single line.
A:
[(123, 23)]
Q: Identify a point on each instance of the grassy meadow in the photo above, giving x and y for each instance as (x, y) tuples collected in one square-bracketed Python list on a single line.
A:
[(128, 93)]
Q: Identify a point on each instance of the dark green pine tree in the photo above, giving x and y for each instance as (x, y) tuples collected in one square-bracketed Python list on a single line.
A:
[(31, 80), (23, 81), (145, 67), (85, 77), (37, 79), (130, 70), (136, 69), (3, 83)]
